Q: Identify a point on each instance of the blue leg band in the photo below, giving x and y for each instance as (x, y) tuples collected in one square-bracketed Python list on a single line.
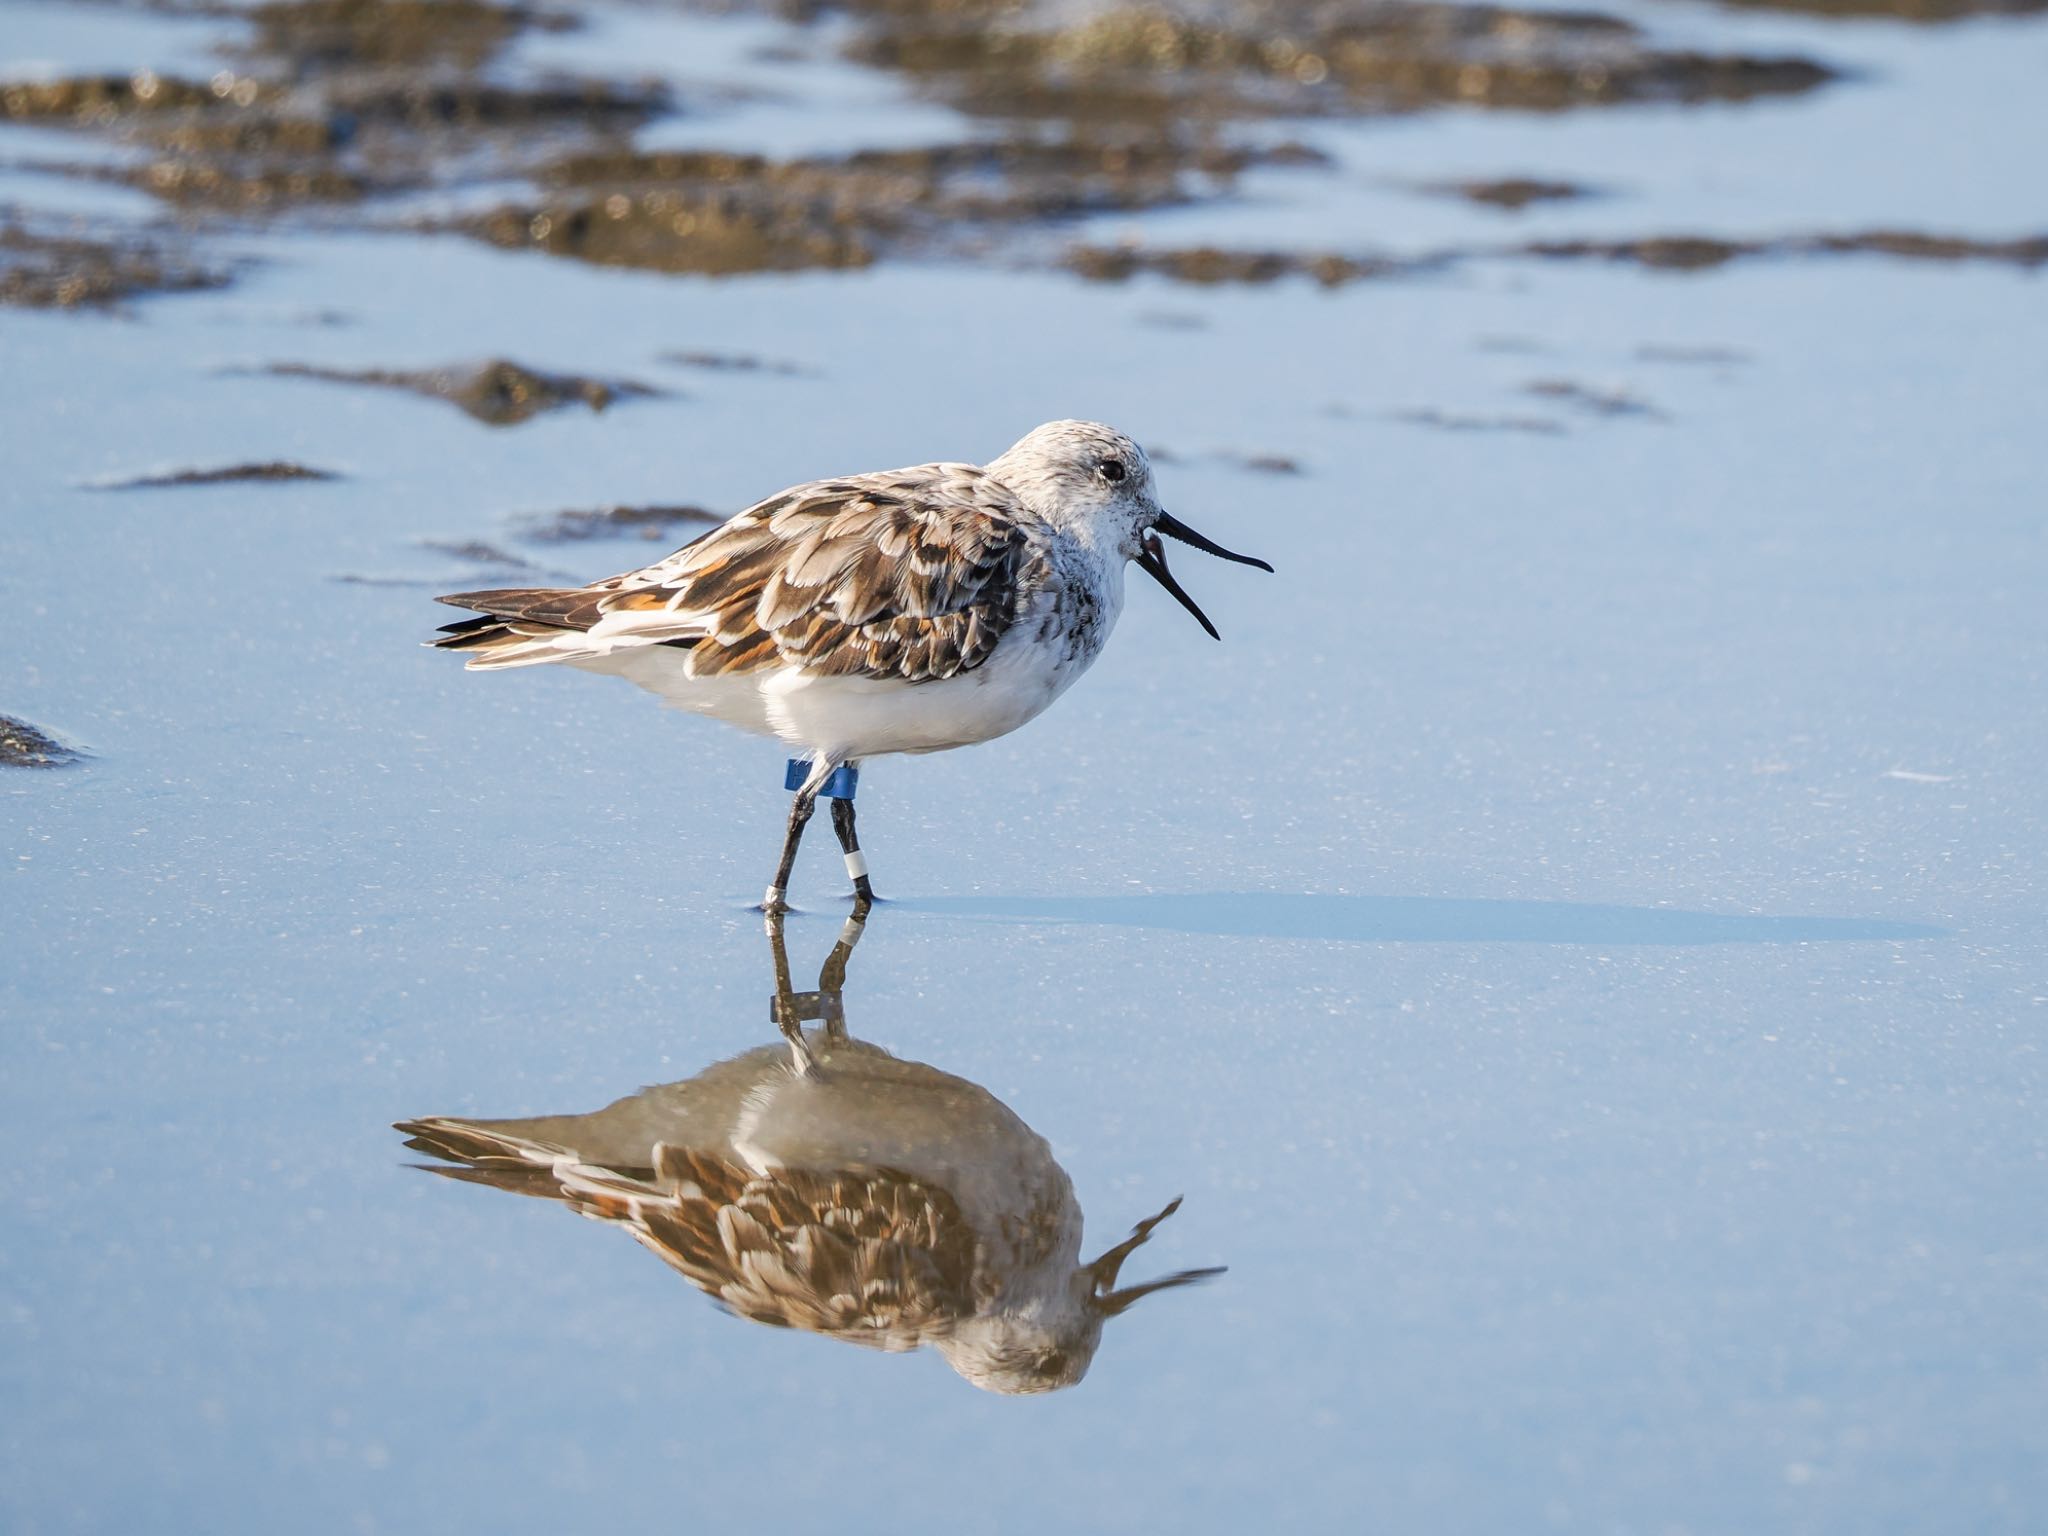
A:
[(845, 779)]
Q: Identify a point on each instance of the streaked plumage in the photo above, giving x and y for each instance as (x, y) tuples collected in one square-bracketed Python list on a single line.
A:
[(910, 610), (907, 576)]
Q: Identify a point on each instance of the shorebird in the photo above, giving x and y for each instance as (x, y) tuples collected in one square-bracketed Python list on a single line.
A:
[(908, 610), (826, 1185)]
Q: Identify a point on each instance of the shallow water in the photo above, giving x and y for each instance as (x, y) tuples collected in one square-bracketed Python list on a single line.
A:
[(1576, 945)]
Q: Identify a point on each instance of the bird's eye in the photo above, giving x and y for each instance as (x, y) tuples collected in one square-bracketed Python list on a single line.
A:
[(1111, 470)]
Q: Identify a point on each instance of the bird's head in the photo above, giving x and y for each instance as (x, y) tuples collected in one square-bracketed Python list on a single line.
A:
[(1096, 483), (1042, 1343)]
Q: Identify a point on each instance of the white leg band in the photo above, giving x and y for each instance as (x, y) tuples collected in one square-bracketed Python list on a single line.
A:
[(856, 865)]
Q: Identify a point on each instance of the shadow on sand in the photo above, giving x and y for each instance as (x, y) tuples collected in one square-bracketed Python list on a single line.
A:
[(1417, 919)]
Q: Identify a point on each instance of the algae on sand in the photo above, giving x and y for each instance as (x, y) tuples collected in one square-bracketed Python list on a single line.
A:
[(23, 746), (499, 392)]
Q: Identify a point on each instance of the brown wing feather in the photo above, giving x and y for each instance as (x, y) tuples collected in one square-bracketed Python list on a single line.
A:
[(910, 574), (873, 1255), (561, 607), (876, 1257)]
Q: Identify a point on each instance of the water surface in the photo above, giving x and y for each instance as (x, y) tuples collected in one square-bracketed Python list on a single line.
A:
[(1575, 945)]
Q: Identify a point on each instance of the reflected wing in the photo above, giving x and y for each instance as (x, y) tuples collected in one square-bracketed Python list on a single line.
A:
[(874, 1257), (910, 575), (877, 1258)]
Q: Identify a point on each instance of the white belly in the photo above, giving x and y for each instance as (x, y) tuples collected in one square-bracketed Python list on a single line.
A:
[(855, 717), (864, 717)]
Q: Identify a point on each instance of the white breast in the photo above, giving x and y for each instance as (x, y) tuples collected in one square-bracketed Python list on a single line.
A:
[(1048, 646)]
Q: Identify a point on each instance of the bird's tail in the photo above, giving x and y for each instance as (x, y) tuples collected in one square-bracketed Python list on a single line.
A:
[(478, 1154), (491, 641), (524, 626)]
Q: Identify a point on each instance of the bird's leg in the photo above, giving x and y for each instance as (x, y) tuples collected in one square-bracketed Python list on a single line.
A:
[(784, 1006), (856, 861), (780, 951), (832, 975), (800, 810)]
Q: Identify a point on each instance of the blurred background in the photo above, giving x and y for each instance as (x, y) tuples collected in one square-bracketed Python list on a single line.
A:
[(1575, 945)]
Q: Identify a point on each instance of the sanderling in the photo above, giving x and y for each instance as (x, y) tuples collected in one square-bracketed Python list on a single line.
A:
[(909, 610), (837, 1189)]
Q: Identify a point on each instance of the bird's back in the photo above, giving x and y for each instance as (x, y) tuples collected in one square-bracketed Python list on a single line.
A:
[(906, 575)]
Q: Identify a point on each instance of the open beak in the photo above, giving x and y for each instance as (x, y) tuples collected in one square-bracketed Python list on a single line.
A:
[(1103, 1272), (1152, 560)]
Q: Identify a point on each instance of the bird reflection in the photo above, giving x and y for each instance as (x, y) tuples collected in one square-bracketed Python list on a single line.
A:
[(824, 1184)]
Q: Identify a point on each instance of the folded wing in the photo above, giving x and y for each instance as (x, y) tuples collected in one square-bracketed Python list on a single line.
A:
[(870, 1255), (910, 575)]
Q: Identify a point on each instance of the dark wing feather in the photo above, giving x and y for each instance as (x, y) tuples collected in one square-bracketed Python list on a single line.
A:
[(910, 575), (873, 1256)]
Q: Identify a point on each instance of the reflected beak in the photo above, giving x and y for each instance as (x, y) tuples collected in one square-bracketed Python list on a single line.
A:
[(1152, 560), (1103, 1272), (1121, 1301)]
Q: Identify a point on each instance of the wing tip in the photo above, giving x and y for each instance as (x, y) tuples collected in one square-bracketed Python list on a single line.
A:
[(479, 602)]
